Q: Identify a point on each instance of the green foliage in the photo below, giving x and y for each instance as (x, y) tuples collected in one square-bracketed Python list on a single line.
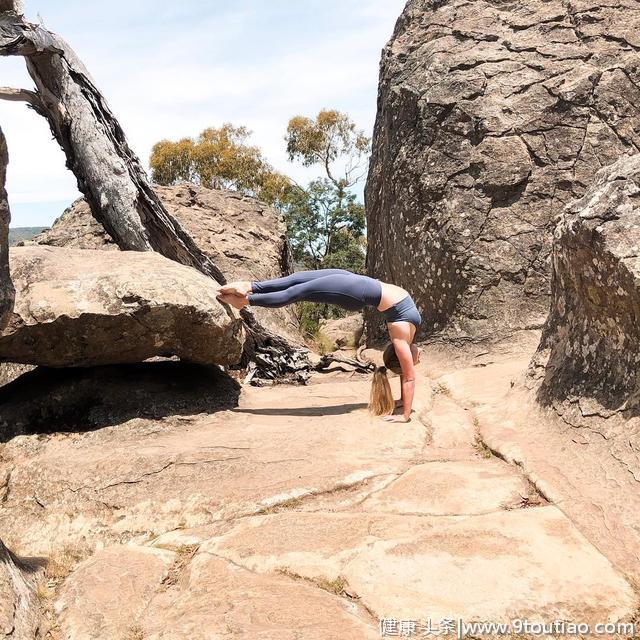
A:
[(325, 223), (219, 159), (331, 137), (326, 227)]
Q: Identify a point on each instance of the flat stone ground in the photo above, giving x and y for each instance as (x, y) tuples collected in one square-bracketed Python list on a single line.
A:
[(297, 515)]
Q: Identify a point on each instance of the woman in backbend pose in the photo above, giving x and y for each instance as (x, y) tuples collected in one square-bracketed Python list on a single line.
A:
[(350, 291)]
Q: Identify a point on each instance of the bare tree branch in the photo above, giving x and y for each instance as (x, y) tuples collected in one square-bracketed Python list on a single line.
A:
[(22, 95), (363, 366)]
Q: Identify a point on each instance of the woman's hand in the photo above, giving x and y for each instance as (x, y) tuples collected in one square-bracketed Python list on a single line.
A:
[(396, 419)]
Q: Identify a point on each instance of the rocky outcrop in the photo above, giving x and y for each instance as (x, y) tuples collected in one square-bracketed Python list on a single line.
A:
[(82, 308), (19, 606), (587, 361), (491, 117), (573, 416), (76, 228), (244, 238), (7, 292)]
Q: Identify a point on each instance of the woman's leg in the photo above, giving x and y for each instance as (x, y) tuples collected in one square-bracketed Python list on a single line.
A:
[(342, 288), (299, 277), (243, 287)]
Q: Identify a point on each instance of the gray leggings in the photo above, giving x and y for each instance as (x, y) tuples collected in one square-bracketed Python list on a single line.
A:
[(335, 286)]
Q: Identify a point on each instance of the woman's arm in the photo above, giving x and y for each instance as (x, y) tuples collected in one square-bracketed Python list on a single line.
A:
[(407, 377), (417, 352)]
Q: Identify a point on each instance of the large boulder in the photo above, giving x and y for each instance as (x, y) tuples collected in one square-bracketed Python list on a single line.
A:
[(586, 365), (491, 117), (245, 239), (78, 307), (19, 605)]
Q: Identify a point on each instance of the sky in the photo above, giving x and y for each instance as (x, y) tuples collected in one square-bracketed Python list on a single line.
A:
[(169, 70)]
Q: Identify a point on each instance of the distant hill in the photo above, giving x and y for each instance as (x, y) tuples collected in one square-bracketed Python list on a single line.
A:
[(23, 233)]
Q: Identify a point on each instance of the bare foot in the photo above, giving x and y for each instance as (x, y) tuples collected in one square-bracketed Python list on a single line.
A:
[(239, 288), (234, 300)]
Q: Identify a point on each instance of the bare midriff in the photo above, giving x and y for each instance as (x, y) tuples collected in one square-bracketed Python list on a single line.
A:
[(391, 294)]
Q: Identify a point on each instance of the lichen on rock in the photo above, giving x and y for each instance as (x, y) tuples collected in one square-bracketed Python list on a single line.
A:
[(492, 116), (587, 360)]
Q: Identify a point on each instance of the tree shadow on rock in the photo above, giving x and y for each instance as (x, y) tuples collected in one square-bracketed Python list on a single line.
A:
[(26, 564), (82, 399)]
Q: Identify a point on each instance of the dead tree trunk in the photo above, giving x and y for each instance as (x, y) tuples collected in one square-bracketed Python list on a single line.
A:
[(20, 614), (108, 173), (7, 292)]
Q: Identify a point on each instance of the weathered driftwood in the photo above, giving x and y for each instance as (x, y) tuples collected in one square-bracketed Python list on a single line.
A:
[(7, 292), (108, 172), (361, 357), (359, 365), (270, 365)]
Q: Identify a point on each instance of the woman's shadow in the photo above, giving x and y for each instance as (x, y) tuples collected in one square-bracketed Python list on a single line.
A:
[(331, 410)]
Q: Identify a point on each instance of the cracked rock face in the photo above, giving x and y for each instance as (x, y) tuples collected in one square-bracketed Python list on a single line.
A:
[(293, 516), (201, 595), (77, 308), (245, 238), (491, 117), (586, 363)]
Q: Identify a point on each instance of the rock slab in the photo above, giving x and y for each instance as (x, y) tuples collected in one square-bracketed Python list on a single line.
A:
[(299, 516), (110, 590), (78, 308)]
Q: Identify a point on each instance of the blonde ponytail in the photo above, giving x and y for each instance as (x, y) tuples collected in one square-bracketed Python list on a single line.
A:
[(381, 400)]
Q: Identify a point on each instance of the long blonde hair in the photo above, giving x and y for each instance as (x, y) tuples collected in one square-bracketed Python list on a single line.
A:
[(381, 400)]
